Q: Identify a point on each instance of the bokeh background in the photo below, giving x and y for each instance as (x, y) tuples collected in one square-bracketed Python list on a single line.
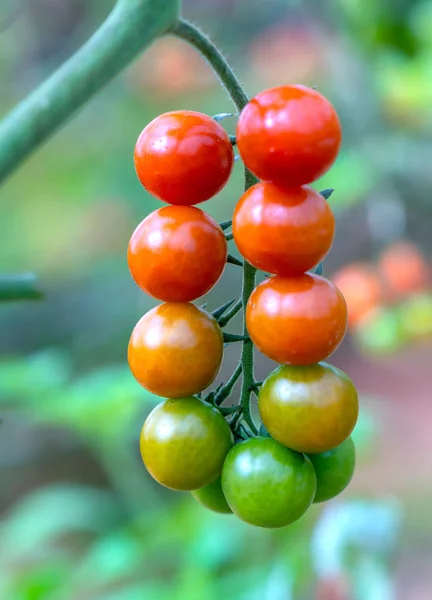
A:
[(80, 517)]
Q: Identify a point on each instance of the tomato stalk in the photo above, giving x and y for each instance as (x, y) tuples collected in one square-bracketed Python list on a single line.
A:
[(188, 32)]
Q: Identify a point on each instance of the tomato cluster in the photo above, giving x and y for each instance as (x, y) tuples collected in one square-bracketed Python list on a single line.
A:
[(288, 137)]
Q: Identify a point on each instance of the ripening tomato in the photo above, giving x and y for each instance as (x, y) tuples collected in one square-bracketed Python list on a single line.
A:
[(183, 157), (308, 408), (362, 288), (298, 320), (285, 231), (177, 253), (184, 443), (266, 484), (404, 269), (175, 350), (212, 497), (334, 470), (289, 135)]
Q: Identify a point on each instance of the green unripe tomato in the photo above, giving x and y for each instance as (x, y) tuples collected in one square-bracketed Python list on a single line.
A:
[(212, 497), (266, 484), (184, 442), (334, 470), (309, 409)]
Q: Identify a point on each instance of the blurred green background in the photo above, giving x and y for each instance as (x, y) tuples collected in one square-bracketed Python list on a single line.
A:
[(80, 516)]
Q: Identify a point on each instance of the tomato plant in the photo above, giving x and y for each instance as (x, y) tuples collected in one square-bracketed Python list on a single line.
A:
[(266, 484), (334, 470), (285, 231), (308, 408), (177, 253), (183, 157), (184, 442), (175, 350), (212, 497), (297, 320), (289, 135)]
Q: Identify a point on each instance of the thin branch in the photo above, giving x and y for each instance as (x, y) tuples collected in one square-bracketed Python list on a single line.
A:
[(131, 26)]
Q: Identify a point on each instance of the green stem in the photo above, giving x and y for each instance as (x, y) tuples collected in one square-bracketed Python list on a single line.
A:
[(205, 46), (226, 389), (231, 313), (19, 287), (186, 31), (131, 26)]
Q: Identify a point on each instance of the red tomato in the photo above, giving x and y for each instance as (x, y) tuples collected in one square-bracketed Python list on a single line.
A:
[(362, 289), (285, 231), (404, 269), (298, 321), (175, 350), (289, 135), (183, 157), (177, 253)]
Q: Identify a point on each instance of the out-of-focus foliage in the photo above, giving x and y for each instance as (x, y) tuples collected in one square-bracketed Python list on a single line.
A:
[(80, 517)]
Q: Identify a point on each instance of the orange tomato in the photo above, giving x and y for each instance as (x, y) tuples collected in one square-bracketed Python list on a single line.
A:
[(298, 320), (362, 289), (177, 253), (175, 350), (404, 269)]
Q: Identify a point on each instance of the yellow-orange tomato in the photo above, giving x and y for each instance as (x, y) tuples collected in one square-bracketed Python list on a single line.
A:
[(309, 409), (177, 253), (281, 230), (362, 289), (404, 269), (297, 320), (175, 350)]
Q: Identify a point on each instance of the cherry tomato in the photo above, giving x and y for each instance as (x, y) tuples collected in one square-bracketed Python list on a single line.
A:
[(177, 253), (211, 496), (183, 157), (362, 289), (266, 484), (309, 409), (334, 470), (404, 269), (175, 350), (283, 231), (289, 135), (298, 320), (184, 443)]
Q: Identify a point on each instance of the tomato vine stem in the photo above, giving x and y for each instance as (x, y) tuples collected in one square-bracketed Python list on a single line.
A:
[(190, 33)]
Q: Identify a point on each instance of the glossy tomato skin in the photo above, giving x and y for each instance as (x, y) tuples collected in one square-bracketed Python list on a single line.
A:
[(309, 409), (334, 470), (289, 135), (285, 231), (212, 497), (296, 320), (177, 254), (184, 442), (183, 157), (266, 484), (175, 350)]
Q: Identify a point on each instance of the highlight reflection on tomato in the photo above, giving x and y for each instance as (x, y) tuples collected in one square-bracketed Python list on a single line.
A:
[(175, 350), (177, 254), (289, 135), (266, 484), (183, 157), (184, 442), (297, 320), (285, 231), (310, 409)]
